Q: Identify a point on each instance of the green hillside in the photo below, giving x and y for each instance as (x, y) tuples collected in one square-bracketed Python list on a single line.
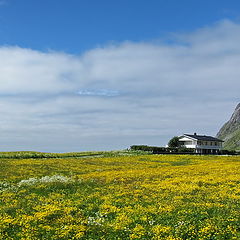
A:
[(232, 141), (230, 132)]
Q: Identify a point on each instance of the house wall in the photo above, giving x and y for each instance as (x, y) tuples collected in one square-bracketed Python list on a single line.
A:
[(185, 139), (190, 143)]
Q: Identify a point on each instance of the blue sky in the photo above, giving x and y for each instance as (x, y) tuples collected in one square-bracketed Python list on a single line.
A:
[(100, 75), (75, 26)]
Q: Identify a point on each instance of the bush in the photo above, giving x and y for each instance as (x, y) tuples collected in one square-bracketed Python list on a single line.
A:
[(185, 150), (174, 142), (228, 152), (159, 150)]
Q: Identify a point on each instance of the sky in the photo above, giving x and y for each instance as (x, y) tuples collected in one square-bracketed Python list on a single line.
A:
[(80, 75)]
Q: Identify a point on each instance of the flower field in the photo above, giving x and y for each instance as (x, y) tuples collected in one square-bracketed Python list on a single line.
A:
[(120, 196)]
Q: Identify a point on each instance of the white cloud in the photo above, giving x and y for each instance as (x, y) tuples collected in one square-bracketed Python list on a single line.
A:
[(121, 94), (99, 92), (29, 71)]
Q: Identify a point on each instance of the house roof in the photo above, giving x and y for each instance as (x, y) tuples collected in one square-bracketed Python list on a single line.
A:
[(203, 137)]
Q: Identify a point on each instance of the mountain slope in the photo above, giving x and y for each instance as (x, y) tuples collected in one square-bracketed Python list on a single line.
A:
[(230, 131)]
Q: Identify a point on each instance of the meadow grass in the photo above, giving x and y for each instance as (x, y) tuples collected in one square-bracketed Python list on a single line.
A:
[(119, 195)]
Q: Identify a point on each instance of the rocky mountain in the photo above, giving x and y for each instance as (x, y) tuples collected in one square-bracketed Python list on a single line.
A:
[(230, 131)]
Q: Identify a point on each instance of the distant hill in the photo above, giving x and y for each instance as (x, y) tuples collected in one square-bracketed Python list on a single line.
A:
[(230, 131)]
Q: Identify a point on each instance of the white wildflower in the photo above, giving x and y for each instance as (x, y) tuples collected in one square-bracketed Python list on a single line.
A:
[(55, 178), (28, 182), (4, 186), (98, 220), (45, 179)]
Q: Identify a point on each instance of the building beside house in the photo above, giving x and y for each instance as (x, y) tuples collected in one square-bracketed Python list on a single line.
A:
[(201, 143)]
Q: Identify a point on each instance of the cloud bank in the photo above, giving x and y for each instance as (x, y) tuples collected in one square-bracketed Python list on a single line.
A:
[(118, 95)]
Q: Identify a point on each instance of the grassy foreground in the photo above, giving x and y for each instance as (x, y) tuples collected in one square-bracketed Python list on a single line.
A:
[(119, 196)]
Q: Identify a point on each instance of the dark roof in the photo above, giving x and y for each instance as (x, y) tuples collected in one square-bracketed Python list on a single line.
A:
[(203, 137)]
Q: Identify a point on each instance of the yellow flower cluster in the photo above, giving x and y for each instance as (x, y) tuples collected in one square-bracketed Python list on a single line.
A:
[(170, 197)]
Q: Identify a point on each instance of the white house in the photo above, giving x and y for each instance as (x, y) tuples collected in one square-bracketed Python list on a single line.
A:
[(201, 143)]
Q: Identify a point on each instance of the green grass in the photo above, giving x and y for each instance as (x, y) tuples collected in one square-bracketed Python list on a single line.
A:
[(119, 195), (41, 155)]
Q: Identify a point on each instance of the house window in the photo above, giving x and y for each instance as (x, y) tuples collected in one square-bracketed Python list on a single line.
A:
[(215, 143)]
